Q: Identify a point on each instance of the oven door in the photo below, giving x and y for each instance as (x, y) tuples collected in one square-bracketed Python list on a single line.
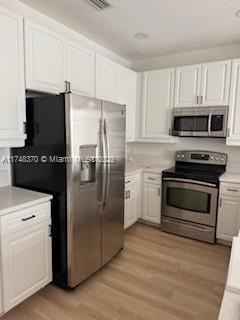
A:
[(188, 200)]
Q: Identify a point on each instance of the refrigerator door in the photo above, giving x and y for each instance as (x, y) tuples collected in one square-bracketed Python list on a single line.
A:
[(113, 208), (84, 187)]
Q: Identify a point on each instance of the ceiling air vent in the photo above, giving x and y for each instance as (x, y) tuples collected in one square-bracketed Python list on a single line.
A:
[(99, 4)]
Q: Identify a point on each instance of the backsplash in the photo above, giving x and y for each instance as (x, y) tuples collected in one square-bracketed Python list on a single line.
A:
[(5, 175), (159, 153)]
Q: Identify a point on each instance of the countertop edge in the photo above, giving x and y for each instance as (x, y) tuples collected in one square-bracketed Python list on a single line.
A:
[(25, 205)]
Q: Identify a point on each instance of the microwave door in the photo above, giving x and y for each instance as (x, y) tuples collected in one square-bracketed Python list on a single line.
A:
[(191, 125)]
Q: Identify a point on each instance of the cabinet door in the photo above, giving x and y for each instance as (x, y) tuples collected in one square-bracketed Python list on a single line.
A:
[(152, 203), (26, 263), (228, 223), (131, 206), (158, 88), (107, 74), (127, 94), (234, 106), (45, 59), (215, 83), (81, 70), (187, 86), (12, 90)]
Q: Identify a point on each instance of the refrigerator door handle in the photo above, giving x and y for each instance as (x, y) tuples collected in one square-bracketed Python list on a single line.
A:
[(106, 161), (101, 163)]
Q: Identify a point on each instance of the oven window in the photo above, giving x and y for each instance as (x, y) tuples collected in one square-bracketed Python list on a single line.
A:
[(191, 123), (188, 199)]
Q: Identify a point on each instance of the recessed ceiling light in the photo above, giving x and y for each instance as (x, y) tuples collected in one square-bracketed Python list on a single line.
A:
[(141, 36), (238, 13)]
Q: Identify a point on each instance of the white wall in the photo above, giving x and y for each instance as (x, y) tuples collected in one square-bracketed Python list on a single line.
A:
[(187, 58), (159, 153)]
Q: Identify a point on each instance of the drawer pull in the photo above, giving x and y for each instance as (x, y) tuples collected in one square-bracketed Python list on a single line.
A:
[(128, 181), (28, 218), (152, 178), (234, 190)]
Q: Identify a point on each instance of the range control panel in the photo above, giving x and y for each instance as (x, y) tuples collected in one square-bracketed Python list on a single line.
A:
[(202, 157)]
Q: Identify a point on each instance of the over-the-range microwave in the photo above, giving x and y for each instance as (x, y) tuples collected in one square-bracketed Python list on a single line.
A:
[(200, 122)]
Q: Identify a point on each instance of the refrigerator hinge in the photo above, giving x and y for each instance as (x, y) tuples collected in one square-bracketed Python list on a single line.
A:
[(24, 127), (67, 87), (50, 230)]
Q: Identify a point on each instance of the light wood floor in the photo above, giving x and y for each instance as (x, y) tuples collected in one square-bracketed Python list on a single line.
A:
[(156, 277)]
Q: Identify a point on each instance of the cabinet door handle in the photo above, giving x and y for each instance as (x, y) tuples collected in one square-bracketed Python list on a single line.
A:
[(129, 194), (197, 98), (28, 218), (159, 192), (201, 99), (220, 202)]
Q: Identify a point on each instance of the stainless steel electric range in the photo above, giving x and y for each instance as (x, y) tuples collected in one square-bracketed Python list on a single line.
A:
[(190, 194)]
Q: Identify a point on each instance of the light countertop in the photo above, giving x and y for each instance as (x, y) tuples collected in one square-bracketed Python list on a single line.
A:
[(136, 167), (230, 177), (230, 308), (14, 199)]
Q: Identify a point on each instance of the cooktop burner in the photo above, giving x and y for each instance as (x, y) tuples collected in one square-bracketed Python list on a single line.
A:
[(198, 165)]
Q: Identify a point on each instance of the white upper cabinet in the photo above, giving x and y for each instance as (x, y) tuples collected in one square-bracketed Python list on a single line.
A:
[(157, 103), (234, 106), (44, 60), (81, 70), (127, 94), (107, 75), (187, 86), (12, 91), (203, 84), (215, 83)]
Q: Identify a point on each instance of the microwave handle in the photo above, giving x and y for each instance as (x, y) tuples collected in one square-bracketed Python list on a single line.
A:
[(209, 123)]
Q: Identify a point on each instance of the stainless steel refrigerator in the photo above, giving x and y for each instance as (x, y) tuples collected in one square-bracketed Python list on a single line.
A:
[(65, 133)]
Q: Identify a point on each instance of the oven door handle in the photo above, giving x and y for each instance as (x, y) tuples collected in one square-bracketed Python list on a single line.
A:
[(202, 183), (209, 123)]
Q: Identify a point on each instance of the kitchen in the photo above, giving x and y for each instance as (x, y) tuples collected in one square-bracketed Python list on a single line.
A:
[(69, 82)]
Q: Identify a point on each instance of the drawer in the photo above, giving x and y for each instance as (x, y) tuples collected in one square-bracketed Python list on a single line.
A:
[(132, 179), (230, 189), (153, 178), (22, 219)]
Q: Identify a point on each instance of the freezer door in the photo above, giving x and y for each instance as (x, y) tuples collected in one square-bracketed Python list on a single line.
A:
[(84, 187), (113, 208)]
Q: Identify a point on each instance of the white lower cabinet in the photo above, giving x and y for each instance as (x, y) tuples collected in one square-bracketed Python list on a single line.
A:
[(26, 254), (152, 198), (132, 199), (228, 224)]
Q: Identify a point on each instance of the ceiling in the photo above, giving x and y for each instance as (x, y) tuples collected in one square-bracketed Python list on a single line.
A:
[(174, 26)]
